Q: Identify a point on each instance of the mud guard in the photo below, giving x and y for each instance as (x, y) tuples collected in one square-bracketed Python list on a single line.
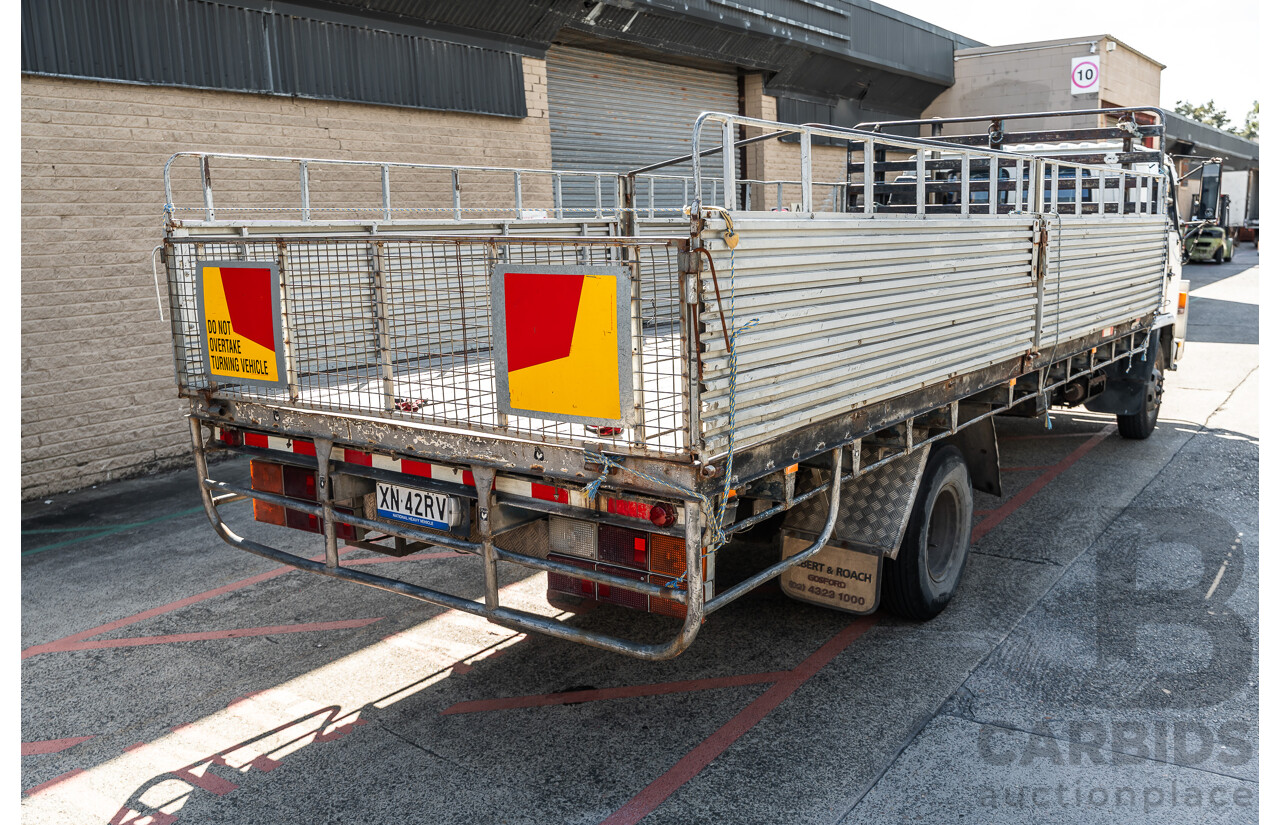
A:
[(1126, 388), (874, 509)]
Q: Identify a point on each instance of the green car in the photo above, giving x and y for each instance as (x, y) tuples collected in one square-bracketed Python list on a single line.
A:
[(1210, 243)]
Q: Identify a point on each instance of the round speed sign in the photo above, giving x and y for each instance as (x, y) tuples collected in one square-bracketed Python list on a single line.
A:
[(1085, 75)]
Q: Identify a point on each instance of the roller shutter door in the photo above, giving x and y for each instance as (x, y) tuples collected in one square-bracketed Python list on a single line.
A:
[(612, 113)]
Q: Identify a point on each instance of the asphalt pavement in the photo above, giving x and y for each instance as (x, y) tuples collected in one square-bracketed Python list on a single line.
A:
[(1098, 665)]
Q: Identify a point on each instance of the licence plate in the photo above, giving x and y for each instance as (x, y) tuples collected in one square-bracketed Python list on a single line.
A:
[(413, 506)]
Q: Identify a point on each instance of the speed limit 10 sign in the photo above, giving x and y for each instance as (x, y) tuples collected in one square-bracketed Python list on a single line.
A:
[(1085, 75)]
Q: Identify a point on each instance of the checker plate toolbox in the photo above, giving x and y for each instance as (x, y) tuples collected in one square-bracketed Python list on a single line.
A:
[(653, 363)]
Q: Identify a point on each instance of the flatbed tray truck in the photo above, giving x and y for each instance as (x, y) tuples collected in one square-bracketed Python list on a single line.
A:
[(606, 377)]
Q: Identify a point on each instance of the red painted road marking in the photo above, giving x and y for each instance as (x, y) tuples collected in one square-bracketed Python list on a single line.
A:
[(60, 778), (61, 644), (1025, 469), (658, 791), (1038, 436), (235, 633), (628, 692), (1005, 510), (52, 745)]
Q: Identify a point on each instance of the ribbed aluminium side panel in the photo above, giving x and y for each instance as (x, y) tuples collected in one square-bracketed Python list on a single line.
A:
[(852, 311), (611, 113), (1101, 272)]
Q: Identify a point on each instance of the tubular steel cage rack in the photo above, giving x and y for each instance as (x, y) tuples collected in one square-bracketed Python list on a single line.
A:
[(388, 334)]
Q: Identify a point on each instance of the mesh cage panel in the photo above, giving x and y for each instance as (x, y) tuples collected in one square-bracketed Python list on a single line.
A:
[(402, 329)]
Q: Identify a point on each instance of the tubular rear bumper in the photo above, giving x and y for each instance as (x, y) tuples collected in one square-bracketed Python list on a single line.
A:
[(217, 493)]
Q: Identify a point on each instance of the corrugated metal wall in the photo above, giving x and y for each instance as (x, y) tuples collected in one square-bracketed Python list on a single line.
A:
[(613, 113), (215, 46)]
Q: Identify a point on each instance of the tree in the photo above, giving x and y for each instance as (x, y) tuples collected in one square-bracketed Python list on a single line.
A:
[(1205, 113), (1250, 129)]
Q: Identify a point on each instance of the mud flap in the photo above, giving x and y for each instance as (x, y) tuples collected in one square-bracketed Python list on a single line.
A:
[(833, 577), (874, 509)]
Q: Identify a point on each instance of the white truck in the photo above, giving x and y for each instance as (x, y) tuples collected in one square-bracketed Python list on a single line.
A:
[(609, 393)]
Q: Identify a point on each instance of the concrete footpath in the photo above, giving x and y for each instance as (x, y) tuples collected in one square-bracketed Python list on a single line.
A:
[(1099, 664)]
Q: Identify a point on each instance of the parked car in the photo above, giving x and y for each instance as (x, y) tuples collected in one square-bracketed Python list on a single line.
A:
[(1208, 243)]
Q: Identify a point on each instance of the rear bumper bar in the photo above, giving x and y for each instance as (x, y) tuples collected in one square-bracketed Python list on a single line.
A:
[(214, 494)]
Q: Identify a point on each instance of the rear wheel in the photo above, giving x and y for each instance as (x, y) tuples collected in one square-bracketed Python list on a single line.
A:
[(1142, 424), (920, 582)]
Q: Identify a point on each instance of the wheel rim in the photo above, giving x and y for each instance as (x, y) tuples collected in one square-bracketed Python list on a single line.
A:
[(944, 534)]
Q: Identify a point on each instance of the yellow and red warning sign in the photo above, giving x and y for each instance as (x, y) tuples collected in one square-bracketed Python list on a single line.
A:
[(563, 348), (239, 304)]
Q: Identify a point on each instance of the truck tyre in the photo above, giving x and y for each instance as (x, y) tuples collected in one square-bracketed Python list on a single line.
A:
[(1217, 256), (920, 582), (1142, 424)]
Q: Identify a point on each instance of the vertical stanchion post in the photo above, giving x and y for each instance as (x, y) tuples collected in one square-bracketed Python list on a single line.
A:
[(599, 199), (286, 320), (730, 172), (637, 346), (1079, 180), (519, 200), (964, 184), (382, 325), (558, 195), (386, 192), (868, 177), (1017, 185), (457, 195), (207, 182), (993, 186), (304, 186), (806, 171), (921, 194)]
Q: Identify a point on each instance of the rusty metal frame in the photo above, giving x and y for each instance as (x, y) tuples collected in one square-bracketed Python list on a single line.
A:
[(216, 493)]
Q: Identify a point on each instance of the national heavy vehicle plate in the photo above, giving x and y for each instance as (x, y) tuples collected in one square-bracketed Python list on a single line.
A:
[(413, 506)]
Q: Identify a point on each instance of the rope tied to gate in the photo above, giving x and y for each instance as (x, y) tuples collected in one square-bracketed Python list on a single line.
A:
[(714, 513)]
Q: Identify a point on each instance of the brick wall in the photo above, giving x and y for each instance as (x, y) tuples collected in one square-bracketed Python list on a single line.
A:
[(774, 160), (98, 396)]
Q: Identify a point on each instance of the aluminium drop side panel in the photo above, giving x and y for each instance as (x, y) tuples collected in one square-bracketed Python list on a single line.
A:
[(853, 311), (1101, 272)]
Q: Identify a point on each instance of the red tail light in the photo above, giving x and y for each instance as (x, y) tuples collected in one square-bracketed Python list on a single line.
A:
[(299, 482), (619, 545), (573, 585), (662, 515), (618, 595)]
